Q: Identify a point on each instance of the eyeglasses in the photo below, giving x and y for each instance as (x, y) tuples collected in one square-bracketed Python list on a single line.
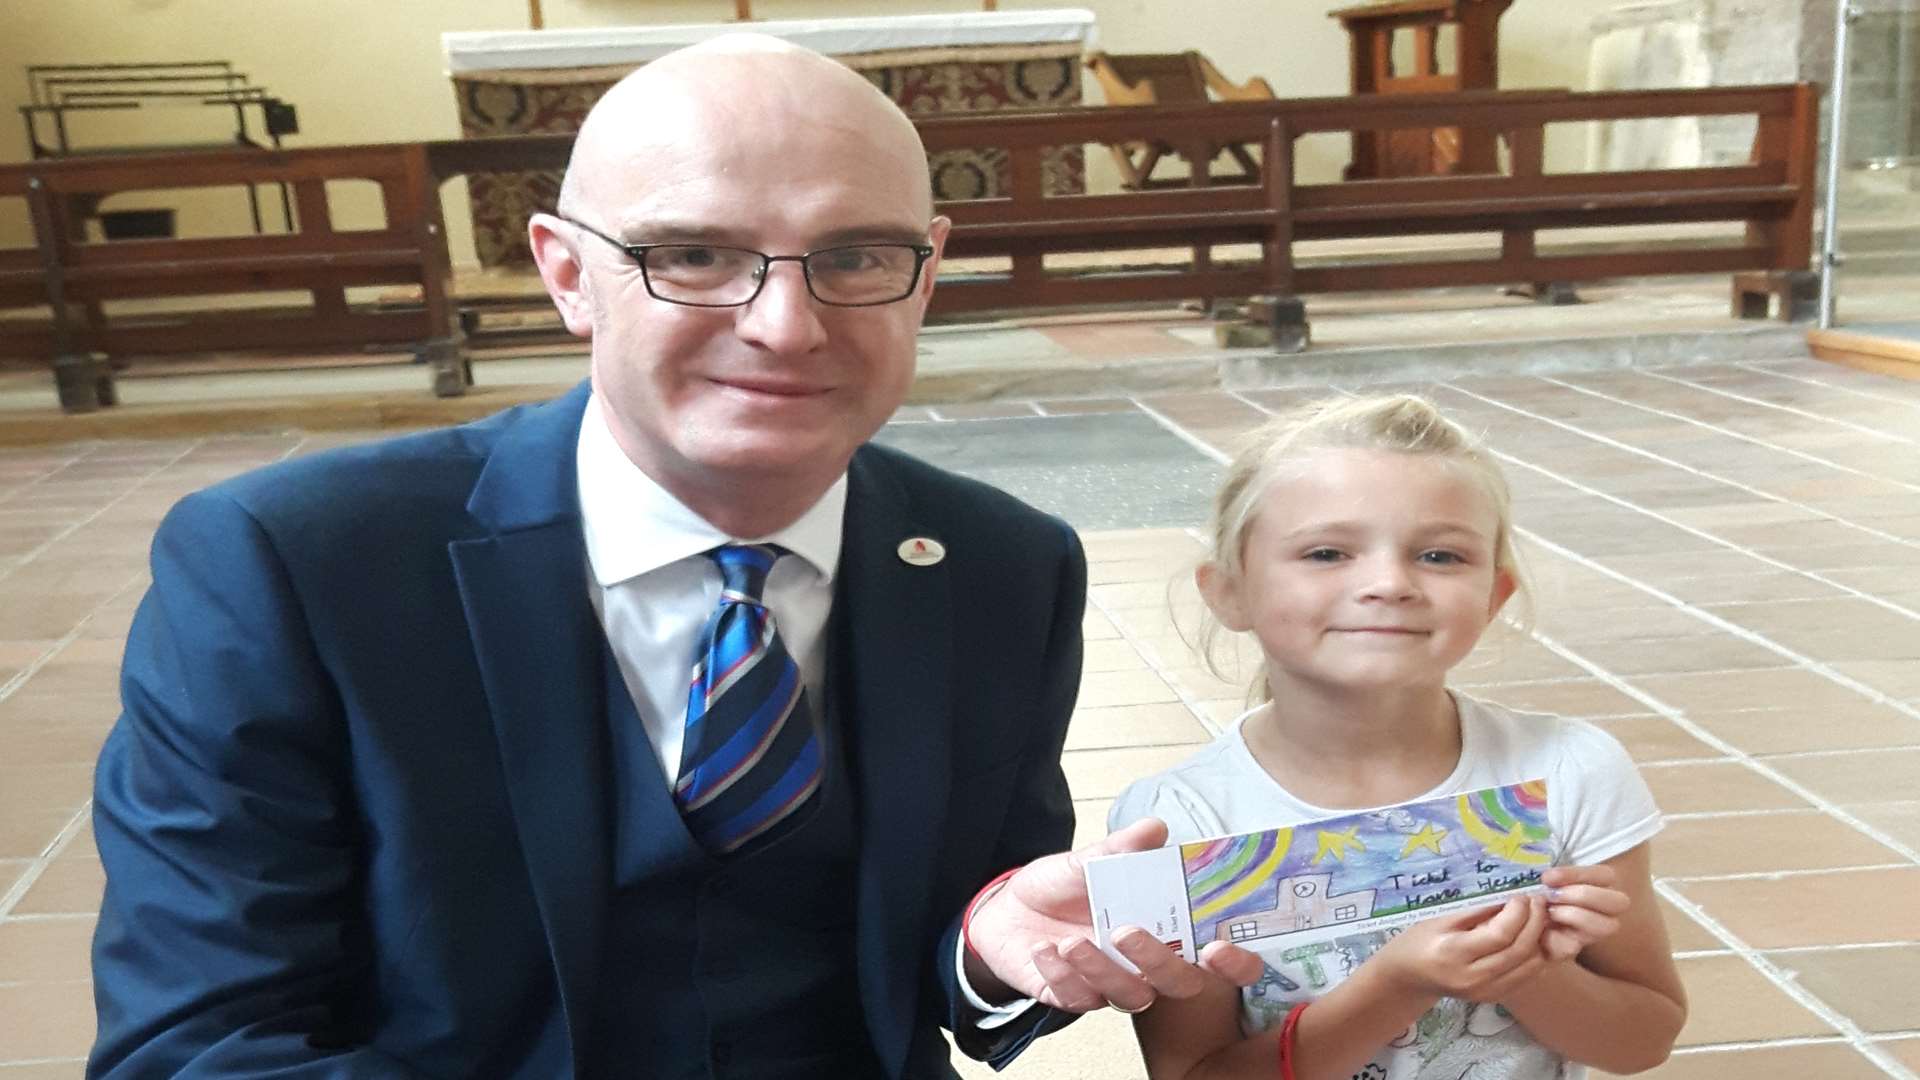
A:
[(709, 275)]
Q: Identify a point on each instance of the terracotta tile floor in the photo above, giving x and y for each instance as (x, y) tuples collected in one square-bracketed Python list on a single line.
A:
[(1727, 567)]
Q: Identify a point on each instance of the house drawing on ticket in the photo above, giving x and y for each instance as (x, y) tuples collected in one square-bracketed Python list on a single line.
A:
[(1300, 903)]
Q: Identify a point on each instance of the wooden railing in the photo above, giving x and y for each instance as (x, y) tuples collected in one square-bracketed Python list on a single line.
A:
[(1770, 196), (77, 277)]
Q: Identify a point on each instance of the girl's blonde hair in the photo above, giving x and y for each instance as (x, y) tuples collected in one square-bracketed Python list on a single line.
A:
[(1399, 423)]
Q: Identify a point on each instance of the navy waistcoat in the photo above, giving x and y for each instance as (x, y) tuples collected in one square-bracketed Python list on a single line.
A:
[(727, 969)]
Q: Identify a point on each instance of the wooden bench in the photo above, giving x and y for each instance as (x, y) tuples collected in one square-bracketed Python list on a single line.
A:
[(1769, 197), (80, 277), (1185, 78), (1043, 241)]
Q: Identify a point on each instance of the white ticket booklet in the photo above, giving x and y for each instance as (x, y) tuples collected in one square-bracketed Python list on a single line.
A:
[(1372, 870)]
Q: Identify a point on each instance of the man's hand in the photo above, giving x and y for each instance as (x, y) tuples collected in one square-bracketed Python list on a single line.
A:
[(1035, 937)]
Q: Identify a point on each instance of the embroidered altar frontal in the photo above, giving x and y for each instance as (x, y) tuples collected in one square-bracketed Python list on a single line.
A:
[(934, 79)]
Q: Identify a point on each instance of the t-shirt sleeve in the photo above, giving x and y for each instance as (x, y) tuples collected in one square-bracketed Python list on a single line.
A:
[(1165, 797), (1600, 804)]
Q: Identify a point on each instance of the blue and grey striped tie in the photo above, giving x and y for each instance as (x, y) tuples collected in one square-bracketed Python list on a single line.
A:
[(751, 757)]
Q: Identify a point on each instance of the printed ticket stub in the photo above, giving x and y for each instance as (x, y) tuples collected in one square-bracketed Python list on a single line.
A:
[(1371, 870)]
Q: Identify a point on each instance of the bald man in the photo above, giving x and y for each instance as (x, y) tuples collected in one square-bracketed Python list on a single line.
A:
[(411, 777)]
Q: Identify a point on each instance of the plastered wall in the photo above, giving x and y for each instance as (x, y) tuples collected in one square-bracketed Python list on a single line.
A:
[(371, 70)]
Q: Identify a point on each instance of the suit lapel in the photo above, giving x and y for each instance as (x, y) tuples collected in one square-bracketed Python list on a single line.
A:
[(892, 672), (539, 648)]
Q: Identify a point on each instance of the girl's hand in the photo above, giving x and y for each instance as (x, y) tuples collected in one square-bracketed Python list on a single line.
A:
[(1476, 955), (1584, 908)]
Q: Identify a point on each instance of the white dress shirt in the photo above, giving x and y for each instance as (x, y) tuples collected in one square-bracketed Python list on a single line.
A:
[(653, 588)]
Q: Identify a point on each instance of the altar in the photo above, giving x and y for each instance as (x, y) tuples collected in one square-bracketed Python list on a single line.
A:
[(544, 81)]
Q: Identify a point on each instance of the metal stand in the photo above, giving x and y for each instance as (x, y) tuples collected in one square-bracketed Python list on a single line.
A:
[(1844, 14)]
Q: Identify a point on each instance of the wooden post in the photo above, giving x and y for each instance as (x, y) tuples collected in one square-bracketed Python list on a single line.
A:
[(535, 20), (989, 5), (742, 10)]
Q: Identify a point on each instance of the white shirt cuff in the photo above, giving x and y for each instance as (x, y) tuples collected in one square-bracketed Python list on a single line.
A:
[(991, 1016)]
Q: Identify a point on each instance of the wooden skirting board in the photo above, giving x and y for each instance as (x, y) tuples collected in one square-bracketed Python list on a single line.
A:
[(1885, 354)]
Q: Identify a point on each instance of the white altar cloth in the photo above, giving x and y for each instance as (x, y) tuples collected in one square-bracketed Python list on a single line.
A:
[(518, 50)]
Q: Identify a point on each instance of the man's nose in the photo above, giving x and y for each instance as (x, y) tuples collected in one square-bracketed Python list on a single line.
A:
[(784, 318)]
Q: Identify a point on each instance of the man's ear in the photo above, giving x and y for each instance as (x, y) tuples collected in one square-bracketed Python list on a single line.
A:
[(937, 231), (561, 271), (1223, 596)]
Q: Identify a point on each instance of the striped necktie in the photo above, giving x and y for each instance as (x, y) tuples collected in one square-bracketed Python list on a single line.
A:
[(751, 757)]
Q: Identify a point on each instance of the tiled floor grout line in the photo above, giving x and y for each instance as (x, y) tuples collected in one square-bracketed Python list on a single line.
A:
[(1608, 440), (1731, 434), (1693, 609), (1728, 750), (1836, 387), (1765, 1044), (1848, 946), (1786, 983), (1712, 815), (20, 678), (1179, 430), (74, 827), (1779, 875), (48, 474), (108, 505), (1752, 637), (1848, 424), (1159, 670), (38, 866)]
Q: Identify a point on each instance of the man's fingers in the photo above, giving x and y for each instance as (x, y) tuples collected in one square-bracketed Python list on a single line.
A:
[(1104, 977), (1143, 835), (1232, 963), (1169, 975), (1066, 988)]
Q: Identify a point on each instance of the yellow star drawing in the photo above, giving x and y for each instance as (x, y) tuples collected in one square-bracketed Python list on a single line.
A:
[(1336, 844), (1508, 846), (1428, 837)]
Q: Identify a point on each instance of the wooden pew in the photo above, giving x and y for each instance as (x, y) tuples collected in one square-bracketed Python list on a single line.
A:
[(79, 277), (1771, 196)]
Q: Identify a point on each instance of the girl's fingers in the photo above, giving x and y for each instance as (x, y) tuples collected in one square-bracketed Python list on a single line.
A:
[(1524, 942), (1590, 925), (1559, 877), (1597, 898)]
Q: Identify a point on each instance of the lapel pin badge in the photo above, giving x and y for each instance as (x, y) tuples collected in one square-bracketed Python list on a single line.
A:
[(921, 551)]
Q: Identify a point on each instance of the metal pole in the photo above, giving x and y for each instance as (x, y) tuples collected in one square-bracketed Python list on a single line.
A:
[(1843, 15)]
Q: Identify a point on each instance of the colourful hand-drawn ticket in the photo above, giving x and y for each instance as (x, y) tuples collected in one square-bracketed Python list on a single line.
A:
[(1369, 870)]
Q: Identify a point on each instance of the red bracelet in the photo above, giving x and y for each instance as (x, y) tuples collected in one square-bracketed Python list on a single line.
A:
[(966, 920), (1288, 1027)]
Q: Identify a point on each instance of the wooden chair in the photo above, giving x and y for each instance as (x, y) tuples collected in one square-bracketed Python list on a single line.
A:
[(1185, 78)]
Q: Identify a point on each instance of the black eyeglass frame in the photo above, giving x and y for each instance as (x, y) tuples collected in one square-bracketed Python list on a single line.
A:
[(638, 253)]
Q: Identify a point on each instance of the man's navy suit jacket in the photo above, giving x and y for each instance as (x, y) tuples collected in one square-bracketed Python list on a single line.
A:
[(355, 812)]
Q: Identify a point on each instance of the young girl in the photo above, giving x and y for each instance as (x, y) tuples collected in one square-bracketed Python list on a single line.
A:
[(1366, 545)]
